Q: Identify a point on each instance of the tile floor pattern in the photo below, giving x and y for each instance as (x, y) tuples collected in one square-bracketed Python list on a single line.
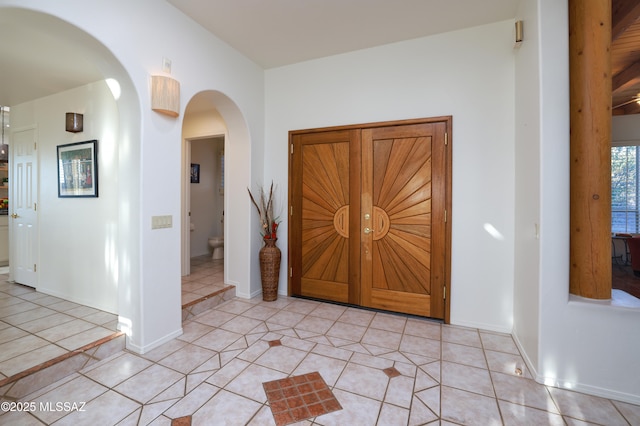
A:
[(35, 327), (207, 277), (215, 373), (383, 369)]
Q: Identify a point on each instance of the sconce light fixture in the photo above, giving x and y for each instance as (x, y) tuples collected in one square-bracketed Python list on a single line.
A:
[(165, 95), (519, 32), (73, 123)]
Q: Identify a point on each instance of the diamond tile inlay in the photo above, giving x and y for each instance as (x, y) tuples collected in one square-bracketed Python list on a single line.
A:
[(391, 372), (181, 421)]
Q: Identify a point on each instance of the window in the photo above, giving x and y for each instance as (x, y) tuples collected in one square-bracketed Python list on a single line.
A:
[(625, 214)]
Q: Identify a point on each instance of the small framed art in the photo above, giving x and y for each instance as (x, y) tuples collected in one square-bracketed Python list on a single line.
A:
[(195, 173), (78, 169)]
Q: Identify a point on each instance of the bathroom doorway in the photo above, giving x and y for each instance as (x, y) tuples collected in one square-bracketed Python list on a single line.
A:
[(204, 133), (205, 240), (203, 199), (207, 195)]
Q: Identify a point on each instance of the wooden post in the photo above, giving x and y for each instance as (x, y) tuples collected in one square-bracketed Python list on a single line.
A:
[(590, 92)]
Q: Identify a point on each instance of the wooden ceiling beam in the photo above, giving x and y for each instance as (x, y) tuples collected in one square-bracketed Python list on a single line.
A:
[(623, 14), (627, 77), (632, 108)]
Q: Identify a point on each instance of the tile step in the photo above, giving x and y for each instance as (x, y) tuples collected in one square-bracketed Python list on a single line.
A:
[(198, 306), (35, 378)]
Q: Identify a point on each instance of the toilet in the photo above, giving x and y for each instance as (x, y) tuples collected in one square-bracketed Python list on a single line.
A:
[(217, 244)]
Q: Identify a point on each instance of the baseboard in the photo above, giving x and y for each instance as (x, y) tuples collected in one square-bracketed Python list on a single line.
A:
[(588, 389), (484, 327), (144, 349), (525, 357), (577, 387), (72, 298)]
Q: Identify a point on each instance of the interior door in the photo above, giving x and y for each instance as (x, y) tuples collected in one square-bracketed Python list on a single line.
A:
[(23, 205), (368, 216)]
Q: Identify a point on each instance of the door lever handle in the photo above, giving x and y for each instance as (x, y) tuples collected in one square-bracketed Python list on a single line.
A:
[(14, 216), (367, 230)]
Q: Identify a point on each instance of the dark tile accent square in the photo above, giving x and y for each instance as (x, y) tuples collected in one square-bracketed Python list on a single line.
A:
[(295, 402), (294, 399), (391, 372), (305, 388), (316, 410), (333, 405), (310, 398), (181, 421), (273, 343)]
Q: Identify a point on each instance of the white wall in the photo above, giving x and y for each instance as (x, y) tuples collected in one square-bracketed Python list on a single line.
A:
[(589, 346), (625, 129), (467, 74), (527, 191), (78, 237), (150, 166)]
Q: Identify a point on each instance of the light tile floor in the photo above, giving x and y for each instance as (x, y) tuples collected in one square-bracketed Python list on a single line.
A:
[(207, 277), (214, 373), (35, 327)]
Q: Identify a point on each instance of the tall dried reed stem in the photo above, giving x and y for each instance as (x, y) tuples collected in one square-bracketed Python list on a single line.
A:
[(268, 223)]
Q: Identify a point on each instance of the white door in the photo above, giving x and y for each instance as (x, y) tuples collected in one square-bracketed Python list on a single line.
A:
[(23, 242)]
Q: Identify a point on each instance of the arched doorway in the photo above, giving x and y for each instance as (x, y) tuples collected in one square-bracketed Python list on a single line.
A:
[(213, 114), (115, 122)]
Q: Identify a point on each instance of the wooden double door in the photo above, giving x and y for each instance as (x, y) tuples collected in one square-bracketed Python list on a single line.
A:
[(369, 215)]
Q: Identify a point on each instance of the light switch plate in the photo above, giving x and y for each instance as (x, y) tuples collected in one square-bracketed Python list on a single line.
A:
[(158, 222), (166, 65)]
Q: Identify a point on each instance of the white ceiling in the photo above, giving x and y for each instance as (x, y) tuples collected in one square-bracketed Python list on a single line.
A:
[(280, 32), (40, 56)]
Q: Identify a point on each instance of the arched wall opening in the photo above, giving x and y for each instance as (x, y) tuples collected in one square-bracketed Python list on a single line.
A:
[(101, 240), (211, 113), (146, 259)]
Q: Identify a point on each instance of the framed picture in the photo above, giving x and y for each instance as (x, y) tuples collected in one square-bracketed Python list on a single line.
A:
[(78, 169), (195, 173)]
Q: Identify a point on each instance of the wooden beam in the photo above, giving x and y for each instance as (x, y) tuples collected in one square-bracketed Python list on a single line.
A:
[(590, 148), (632, 108), (623, 14), (627, 77)]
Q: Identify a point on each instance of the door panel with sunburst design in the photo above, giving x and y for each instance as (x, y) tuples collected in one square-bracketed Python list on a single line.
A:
[(323, 197), (402, 228), (368, 224)]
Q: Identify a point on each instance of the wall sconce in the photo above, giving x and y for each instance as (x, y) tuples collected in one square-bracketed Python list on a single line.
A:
[(519, 32), (165, 95), (73, 122)]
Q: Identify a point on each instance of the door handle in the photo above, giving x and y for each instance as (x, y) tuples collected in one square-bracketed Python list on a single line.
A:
[(367, 230), (14, 216)]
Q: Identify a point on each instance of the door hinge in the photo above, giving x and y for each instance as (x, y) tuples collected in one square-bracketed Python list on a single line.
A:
[(290, 272), (35, 146), (444, 293), (291, 148), (291, 212), (446, 138), (35, 207), (445, 216), (35, 267)]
